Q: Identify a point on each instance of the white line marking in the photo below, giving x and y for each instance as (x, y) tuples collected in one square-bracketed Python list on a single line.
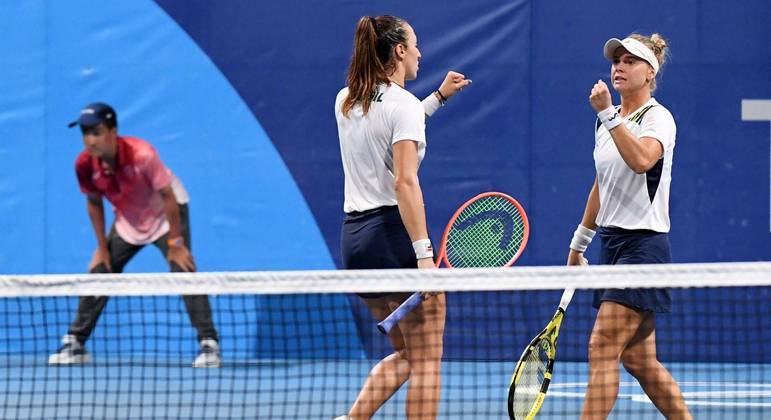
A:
[(739, 390)]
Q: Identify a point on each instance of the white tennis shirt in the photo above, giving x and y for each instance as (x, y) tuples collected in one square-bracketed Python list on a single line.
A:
[(366, 144), (629, 200)]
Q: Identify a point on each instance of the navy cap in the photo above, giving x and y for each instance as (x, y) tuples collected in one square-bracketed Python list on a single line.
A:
[(94, 114)]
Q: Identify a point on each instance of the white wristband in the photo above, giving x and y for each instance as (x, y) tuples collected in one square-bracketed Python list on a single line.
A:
[(582, 237), (610, 118), (423, 248), (431, 104)]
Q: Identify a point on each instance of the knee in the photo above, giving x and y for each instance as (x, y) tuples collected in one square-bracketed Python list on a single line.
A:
[(600, 348), (429, 349), (434, 354), (633, 367), (636, 366), (425, 358)]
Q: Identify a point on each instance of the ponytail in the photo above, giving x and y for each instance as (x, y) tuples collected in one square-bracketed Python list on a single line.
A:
[(372, 57)]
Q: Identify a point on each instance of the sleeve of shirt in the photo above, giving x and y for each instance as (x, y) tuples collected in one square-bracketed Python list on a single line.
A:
[(155, 171), (409, 122), (339, 100), (659, 124), (83, 171)]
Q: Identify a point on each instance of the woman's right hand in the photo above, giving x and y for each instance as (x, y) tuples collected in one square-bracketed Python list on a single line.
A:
[(453, 83), (600, 98), (577, 258)]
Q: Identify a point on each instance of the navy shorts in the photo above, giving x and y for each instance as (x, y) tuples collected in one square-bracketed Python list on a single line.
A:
[(376, 239), (622, 246)]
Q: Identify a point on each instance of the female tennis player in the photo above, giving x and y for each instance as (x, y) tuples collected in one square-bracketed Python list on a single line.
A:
[(629, 207), (382, 142)]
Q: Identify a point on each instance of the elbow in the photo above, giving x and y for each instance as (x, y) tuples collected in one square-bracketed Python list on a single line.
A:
[(405, 183), (641, 166)]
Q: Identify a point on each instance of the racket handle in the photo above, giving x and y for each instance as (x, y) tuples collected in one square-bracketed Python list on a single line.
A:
[(567, 296), (406, 307)]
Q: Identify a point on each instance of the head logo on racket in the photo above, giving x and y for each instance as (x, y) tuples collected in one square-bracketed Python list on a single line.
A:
[(502, 225), (490, 230)]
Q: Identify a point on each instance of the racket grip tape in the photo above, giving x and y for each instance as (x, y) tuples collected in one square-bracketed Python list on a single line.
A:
[(386, 325)]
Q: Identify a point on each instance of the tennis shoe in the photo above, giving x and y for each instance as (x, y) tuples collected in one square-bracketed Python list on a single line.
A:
[(209, 355), (71, 352)]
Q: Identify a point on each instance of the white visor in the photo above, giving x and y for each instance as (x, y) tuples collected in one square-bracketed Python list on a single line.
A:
[(635, 47)]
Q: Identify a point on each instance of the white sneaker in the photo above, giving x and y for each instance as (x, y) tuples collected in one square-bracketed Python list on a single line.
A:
[(346, 417), (71, 352), (209, 355)]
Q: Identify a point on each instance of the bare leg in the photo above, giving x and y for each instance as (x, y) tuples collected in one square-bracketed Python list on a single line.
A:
[(389, 374), (614, 328), (423, 332), (639, 359)]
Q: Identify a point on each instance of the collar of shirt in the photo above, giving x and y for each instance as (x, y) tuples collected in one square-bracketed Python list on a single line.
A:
[(104, 169)]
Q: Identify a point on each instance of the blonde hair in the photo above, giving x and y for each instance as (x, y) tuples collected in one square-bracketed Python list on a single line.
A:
[(660, 48)]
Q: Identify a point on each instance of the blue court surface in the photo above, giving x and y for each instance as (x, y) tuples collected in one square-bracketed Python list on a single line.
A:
[(155, 388)]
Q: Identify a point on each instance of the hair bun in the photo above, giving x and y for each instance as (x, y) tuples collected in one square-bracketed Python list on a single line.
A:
[(659, 41)]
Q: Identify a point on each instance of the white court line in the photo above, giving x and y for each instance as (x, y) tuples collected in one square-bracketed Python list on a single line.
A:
[(580, 394), (682, 383), (713, 398), (727, 394), (724, 384), (644, 399), (552, 394)]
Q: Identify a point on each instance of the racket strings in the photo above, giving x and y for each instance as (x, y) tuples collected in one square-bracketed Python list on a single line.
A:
[(487, 233), (529, 382)]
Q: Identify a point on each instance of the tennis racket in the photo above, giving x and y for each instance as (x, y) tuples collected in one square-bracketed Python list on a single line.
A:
[(533, 372), (489, 230)]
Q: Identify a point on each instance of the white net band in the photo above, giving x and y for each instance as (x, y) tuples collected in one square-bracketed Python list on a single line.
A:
[(339, 281)]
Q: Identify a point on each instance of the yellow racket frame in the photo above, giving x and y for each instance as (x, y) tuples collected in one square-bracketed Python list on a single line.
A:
[(547, 336)]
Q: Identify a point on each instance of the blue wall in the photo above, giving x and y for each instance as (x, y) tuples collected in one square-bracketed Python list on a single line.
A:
[(246, 209), (237, 97)]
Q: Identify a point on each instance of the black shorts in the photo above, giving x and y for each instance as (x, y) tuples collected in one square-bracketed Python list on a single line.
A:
[(376, 239), (622, 246)]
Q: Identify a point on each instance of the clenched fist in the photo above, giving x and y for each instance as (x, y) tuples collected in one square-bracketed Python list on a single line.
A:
[(600, 96), (453, 83)]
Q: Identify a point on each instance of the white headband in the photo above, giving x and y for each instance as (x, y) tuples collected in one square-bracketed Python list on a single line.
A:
[(635, 47)]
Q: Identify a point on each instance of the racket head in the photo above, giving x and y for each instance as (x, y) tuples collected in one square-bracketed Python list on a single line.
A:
[(489, 230), (440, 257), (533, 372)]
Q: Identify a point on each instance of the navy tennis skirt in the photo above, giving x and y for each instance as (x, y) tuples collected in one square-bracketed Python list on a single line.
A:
[(375, 239), (623, 246)]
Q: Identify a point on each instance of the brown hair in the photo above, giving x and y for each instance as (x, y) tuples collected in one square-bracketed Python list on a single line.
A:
[(660, 48), (372, 58)]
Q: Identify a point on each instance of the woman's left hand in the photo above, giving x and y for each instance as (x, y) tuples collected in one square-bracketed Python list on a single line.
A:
[(600, 96), (453, 83)]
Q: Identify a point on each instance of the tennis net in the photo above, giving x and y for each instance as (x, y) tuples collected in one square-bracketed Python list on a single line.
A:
[(299, 345)]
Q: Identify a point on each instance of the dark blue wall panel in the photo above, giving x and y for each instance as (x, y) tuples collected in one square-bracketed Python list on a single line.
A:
[(238, 98)]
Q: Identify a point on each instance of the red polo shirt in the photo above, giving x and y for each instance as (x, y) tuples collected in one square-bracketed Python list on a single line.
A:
[(132, 186)]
